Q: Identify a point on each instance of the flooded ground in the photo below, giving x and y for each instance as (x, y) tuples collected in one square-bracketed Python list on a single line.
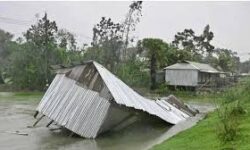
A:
[(17, 113)]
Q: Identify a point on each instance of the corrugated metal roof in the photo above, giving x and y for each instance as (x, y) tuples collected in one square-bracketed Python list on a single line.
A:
[(189, 65), (181, 66), (124, 95), (82, 106), (204, 67)]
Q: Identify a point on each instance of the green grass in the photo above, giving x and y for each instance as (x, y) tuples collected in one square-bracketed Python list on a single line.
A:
[(203, 135), (199, 137)]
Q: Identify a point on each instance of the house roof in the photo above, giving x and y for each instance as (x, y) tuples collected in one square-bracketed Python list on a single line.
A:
[(79, 98), (124, 95), (189, 65)]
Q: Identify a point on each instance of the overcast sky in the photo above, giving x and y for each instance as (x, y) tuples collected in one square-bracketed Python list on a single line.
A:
[(230, 21)]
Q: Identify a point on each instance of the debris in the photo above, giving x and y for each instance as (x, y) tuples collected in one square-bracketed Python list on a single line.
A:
[(17, 132), (54, 129), (88, 100), (180, 105)]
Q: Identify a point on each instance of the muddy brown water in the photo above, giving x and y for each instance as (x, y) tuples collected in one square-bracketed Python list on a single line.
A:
[(17, 113)]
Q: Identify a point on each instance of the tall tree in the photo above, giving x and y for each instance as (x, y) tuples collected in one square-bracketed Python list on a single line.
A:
[(5, 39), (185, 40), (43, 35), (197, 45), (107, 41), (131, 20), (66, 40), (155, 52), (228, 60), (204, 40), (5, 51)]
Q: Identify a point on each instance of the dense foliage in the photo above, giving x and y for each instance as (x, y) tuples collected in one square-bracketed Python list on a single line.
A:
[(26, 63)]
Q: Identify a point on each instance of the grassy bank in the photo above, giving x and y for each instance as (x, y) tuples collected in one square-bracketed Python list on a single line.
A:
[(205, 134)]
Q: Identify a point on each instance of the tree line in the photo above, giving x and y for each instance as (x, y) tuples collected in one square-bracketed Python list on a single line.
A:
[(26, 62)]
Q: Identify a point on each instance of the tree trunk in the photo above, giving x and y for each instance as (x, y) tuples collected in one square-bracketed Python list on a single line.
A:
[(153, 71)]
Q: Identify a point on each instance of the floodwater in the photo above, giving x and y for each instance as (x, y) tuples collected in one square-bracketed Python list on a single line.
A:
[(16, 114)]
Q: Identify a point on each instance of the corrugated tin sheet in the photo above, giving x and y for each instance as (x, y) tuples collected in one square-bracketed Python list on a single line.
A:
[(203, 67), (76, 108), (189, 65), (80, 100), (181, 66), (179, 105), (124, 95)]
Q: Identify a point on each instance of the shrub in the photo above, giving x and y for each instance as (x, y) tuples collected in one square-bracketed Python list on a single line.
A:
[(228, 126), (238, 109), (231, 111), (231, 95), (229, 120), (162, 89)]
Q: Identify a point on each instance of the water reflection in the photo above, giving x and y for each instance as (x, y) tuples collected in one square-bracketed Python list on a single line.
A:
[(137, 136)]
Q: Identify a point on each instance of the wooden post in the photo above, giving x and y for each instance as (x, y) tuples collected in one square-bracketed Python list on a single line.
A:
[(36, 113), (39, 119), (49, 123)]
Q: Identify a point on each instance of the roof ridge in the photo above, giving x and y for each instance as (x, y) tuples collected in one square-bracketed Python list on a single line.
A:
[(194, 66)]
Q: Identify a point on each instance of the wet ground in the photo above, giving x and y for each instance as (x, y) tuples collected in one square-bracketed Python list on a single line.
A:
[(16, 113)]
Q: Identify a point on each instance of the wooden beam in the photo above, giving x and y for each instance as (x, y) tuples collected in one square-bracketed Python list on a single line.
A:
[(39, 119), (36, 113), (49, 123)]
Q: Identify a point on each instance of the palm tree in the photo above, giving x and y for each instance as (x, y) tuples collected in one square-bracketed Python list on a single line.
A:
[(155, 52)]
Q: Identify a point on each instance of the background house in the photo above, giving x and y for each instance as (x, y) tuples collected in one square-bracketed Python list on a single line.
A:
[(191, 74)]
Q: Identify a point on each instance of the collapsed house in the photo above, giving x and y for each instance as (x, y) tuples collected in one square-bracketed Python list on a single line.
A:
[(192, 74), (88, 100)]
